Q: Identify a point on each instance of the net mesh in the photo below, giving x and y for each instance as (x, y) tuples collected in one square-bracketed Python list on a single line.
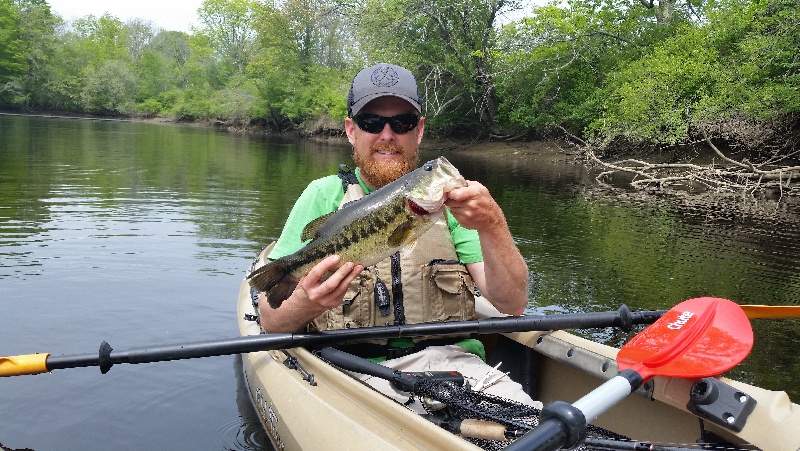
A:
[(464, 403)]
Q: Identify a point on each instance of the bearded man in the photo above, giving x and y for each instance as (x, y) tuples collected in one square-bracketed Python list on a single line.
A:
[(434, 281)]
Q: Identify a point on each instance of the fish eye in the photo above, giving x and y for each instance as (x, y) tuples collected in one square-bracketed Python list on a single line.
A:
[(427, 166)]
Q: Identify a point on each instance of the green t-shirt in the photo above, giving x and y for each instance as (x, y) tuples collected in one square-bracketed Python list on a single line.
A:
[(323, 196)]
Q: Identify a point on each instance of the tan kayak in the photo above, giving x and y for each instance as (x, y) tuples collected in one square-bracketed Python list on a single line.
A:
[(306, 404)]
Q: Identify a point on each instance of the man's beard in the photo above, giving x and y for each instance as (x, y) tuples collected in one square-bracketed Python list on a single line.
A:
[(384, 172)]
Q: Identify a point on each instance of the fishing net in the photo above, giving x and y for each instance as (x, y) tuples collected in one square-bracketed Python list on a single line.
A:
[(462, 402), (450, 404)]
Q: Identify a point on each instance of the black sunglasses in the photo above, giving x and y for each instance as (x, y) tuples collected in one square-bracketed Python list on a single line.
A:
[(373, 123)]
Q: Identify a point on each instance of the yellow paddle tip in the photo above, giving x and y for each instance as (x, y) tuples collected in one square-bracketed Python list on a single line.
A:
[(19, 365), (771, 311)]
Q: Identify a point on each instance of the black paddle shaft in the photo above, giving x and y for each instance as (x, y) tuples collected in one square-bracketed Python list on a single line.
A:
[(623, 318)]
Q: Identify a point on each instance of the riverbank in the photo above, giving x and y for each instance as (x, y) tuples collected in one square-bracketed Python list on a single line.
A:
[(548, 149)]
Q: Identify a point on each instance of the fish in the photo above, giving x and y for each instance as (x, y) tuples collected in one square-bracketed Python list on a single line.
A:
[(365, 231)]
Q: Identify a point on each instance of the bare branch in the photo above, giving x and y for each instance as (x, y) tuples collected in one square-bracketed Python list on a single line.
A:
[(725, 176)]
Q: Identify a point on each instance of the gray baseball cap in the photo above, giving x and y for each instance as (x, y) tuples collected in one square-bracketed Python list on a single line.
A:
[(382, 80)]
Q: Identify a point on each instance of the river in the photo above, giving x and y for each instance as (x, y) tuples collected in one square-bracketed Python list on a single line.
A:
[(139, 234)]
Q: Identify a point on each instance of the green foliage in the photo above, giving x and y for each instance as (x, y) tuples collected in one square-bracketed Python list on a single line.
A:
[(742, 62), (102, 39), (452, 47), (109, 89), (36, 31), (759, 47), (291, 68), (64, 81), (610, 71), (604, 69), (228, 24), (563, 58), (655, 98), (12, 57), (150, 107)]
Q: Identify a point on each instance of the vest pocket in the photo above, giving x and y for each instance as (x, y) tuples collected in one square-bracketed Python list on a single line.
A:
[(353, 312), (451, 295)]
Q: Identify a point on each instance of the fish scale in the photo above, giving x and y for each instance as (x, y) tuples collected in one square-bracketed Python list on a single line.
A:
[(364, 233), (359, 233)]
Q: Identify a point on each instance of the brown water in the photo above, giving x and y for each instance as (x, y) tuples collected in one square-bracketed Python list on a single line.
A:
[(139, 234)]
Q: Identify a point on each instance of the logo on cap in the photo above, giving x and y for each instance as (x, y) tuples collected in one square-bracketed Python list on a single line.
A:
[(385, 77)]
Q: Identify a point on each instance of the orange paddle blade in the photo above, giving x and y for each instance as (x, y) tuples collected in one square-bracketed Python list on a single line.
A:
[(696, 338)]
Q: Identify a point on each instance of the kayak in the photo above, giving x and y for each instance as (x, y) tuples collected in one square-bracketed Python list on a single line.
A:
[(305, 403)]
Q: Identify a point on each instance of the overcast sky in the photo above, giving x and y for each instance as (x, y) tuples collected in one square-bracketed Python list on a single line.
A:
[(168, 14), (175, 15)]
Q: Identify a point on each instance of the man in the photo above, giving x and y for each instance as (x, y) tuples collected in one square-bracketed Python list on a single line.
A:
[(385, 127)]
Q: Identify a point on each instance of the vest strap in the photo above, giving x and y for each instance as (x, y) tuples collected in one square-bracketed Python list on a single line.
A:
[(347, 176), (397, 291)]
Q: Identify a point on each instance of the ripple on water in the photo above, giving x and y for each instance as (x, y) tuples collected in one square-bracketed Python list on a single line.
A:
[(236, 433)]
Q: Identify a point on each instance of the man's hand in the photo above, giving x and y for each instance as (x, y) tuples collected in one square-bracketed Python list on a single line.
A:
[(474, 207), (315, 293), (327, 292)]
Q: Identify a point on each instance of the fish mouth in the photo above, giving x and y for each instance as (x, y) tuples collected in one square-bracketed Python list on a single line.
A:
[(418, 209), (429, 198)]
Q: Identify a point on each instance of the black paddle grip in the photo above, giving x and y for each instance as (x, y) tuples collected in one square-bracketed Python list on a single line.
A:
[(350, 362), (561, 425)]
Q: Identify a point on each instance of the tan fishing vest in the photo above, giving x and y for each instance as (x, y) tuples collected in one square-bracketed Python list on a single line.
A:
[(435, 286)]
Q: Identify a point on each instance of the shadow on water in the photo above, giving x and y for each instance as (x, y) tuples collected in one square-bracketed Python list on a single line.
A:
[(252, 435), (6, 448)]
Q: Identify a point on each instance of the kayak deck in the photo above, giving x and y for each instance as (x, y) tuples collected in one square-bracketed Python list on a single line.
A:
[(305, 403)]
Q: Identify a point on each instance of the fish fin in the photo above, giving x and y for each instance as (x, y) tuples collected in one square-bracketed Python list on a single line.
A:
[(275, 280), (406, 250), (281, 291), (312, 228), (400, 234)]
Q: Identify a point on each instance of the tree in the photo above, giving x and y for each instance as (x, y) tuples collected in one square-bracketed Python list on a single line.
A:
[(229, 26), (109, 88), (37, 27), (102, 38), (12, 58), (734, 79), (162, 70), (664, 10), (452, 47), (299, 68), (556, 61), (139, 33)]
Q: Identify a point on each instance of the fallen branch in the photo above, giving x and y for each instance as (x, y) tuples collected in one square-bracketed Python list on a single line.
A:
[(728, 175)]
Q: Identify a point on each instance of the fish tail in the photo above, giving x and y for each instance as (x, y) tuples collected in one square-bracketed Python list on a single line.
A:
[(275, 279)]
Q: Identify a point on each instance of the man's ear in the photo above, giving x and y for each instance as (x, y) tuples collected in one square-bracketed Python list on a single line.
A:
[(350, 129)]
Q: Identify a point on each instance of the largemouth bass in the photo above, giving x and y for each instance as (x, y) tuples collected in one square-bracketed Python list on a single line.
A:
[(365, 231)]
